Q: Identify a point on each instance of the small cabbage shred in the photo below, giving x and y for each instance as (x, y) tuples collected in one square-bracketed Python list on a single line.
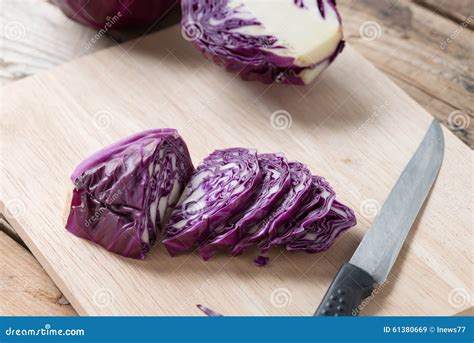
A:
[(219, 189), (276, 183), (261, 261), (208, 312), (124, 192), (284, 41), (116, 14)]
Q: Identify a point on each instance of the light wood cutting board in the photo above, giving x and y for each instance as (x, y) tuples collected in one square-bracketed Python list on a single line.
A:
[(353, 126)]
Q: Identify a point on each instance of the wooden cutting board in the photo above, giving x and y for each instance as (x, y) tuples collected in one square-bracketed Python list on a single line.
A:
[(353, 126)]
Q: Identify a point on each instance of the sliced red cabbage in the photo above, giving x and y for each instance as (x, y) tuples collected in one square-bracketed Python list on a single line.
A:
[(284, 212), (220, 188), (123, 192), (288, 41), (319, 234), (208, 312), (315, 206), (276, 183)]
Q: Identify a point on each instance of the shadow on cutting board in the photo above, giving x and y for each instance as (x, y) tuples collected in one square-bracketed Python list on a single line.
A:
[(333, 93)]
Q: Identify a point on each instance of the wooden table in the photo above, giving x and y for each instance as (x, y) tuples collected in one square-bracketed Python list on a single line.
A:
[(429, 54)]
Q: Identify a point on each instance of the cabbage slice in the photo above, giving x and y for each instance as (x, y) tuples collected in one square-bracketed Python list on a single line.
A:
[(287, 41), (276, 183), (124, 192), (316, 205), (220, 188), (284, 212), (318, 234)]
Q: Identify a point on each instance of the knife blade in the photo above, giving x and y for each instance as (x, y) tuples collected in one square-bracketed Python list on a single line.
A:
[(379, 249)]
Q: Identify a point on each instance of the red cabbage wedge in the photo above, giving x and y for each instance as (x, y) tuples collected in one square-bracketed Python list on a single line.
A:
[(287, 41), (285, 211), (220, 188), (276, 183), (123, 192)]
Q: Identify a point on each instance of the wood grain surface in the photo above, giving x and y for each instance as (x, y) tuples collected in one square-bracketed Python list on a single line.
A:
[(25, 289), (36, 36), (413, 47), (354, 126), (428, 55), (458, 10), (41, 28)]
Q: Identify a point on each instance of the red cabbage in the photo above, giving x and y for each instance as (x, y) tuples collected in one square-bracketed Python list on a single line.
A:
[(318, 234), (271, 41), (208, 312), (300, 186), (123, 192), (128, 193), (316, 205), (220, 188), (276, 183), (108, 14)]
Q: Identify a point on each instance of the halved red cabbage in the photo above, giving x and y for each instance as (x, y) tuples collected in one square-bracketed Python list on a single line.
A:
[(287, 41), (284, 212), (123, 192), (316, 205), (276, 183), (220, 187), (318, 234)]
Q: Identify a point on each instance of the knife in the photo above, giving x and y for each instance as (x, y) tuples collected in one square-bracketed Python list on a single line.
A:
[(378, 250)]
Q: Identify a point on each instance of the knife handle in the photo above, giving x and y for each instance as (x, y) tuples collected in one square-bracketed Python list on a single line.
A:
[(350, 286)]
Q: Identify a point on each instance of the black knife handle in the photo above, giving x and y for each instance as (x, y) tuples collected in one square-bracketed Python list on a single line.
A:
[(350, 286)]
